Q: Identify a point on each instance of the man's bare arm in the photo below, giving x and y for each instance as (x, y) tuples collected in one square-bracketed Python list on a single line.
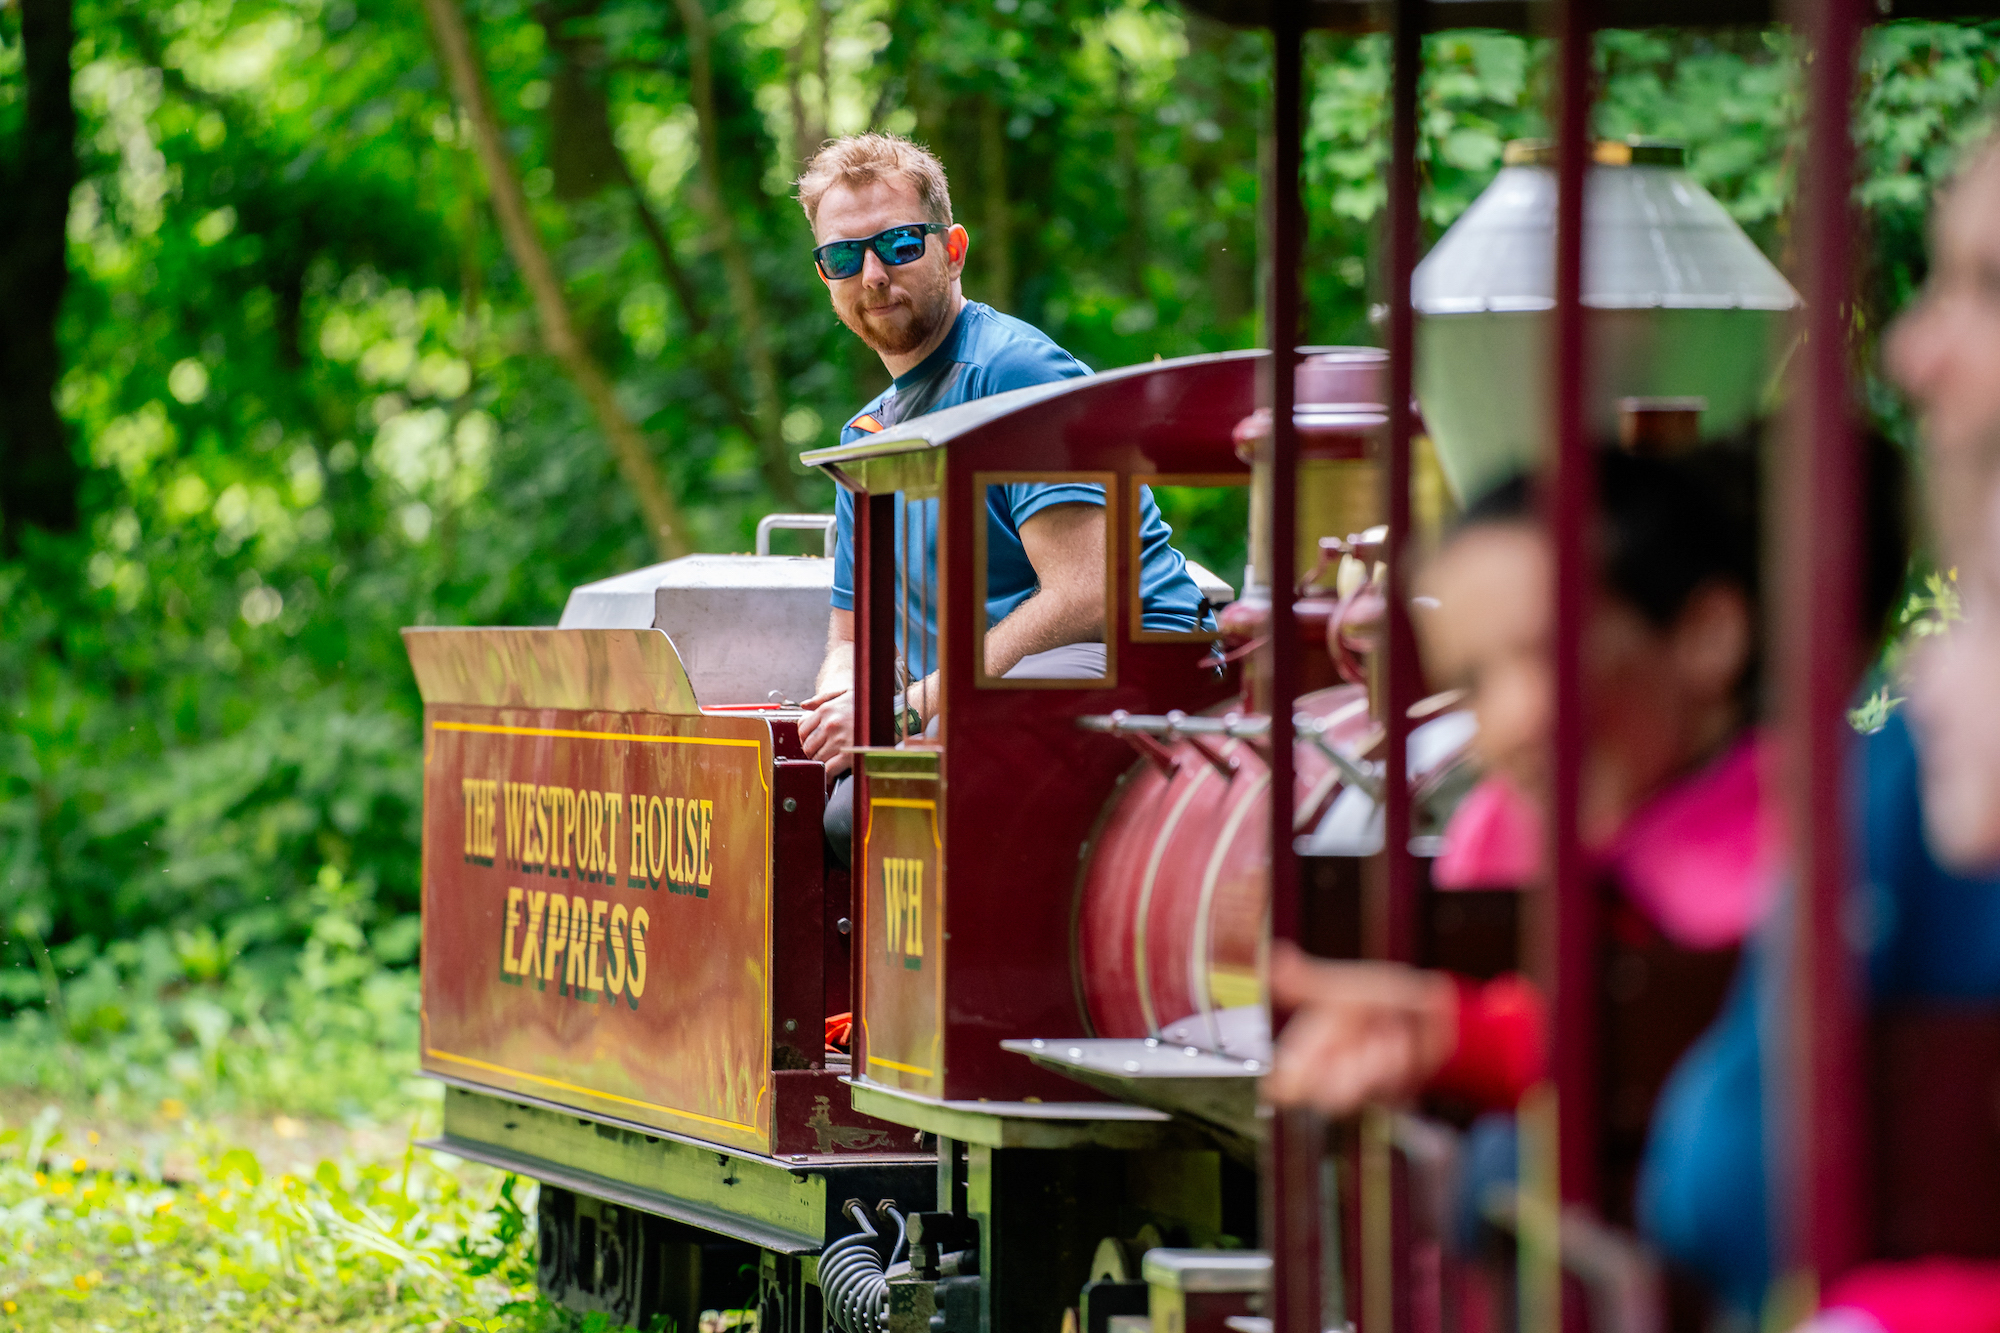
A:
[(827, 729), (1065, 544), (837, 671)]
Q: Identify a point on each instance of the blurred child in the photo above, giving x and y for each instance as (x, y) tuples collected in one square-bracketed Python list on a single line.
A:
[(1671, 662), (1677, 813)]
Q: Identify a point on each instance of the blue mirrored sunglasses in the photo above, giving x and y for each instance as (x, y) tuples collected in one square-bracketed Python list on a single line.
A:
[(895, 247)]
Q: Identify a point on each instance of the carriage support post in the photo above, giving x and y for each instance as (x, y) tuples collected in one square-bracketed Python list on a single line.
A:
[(1821, 1206), (1292, 1206), (1568, 941)]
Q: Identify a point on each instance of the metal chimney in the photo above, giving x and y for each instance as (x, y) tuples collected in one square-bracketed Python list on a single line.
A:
[(1683, 305)]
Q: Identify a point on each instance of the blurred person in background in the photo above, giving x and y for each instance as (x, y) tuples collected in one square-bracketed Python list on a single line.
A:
[(1672, 668), (1680, 818), (1945, 354), (1938, 922)]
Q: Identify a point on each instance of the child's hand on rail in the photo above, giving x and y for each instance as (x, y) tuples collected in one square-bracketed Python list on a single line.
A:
[(1362, 1033)]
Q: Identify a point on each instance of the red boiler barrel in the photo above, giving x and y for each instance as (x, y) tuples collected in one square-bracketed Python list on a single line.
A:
[(1175, 891)]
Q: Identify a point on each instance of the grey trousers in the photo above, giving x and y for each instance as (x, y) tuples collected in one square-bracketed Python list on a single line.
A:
[(1072, 661)]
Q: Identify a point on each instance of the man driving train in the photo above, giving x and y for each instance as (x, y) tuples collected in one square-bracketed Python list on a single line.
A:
[(892, 259)]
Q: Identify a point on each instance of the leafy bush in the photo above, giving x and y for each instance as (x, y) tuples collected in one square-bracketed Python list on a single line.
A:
[(300, 373), (231, 1246), (325, 1029)]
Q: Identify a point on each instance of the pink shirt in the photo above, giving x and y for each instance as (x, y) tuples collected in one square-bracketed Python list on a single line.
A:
[(1700, 859), (1918, 1296)]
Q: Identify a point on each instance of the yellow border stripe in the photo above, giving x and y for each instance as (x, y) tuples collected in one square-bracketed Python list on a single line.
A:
[(588, 1092), (489, 729), (937, 1036), (910, 803)]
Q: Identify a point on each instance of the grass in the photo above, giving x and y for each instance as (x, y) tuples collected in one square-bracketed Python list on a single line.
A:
[(234, 1149), (121, 1239), (327, 1030)]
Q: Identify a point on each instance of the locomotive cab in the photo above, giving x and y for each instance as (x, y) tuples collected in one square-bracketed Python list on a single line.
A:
[(1005, 853), (969, 834)]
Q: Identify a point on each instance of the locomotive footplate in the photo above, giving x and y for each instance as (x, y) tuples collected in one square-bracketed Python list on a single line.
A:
[(787, 1205), (1026, 1124), (1216, 1092)]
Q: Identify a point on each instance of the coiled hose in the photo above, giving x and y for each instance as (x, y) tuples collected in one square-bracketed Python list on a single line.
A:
[(854, 1274)]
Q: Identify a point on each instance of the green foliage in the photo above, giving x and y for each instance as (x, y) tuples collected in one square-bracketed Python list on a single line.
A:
[(1927, 93), (235, 1244), (1873, 713), (192, 1232), (304, 379), (184, 1016), (1930, 609), (305, 382), (1210, 527)]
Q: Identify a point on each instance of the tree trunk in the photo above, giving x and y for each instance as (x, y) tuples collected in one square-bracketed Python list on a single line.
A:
[(581, 135), (531, 256), (38, 473), (581, 147), (820, 32), (1230, 259), (743, 294), (997, 261), (809, 112), (715, 367), (471, 294), (1134, 186)]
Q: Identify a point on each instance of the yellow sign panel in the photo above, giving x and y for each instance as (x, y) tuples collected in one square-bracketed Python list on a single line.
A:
[(902, 972)]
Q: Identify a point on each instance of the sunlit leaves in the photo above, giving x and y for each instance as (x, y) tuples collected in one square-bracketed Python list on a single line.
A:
[(231, 1242), (188, 381), (132, 443)]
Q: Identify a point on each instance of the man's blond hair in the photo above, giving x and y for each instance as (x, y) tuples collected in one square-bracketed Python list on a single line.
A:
[(859, 160)]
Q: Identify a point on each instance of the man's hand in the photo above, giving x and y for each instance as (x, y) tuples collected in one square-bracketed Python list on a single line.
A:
[(1363, 1034), (827, 729)]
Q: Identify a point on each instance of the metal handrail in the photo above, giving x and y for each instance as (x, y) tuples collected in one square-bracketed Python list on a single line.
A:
[(1176, 724), (795, 522)]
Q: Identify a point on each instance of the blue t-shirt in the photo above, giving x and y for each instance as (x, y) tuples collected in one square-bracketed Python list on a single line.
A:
[(1930, 934), (985, 353)]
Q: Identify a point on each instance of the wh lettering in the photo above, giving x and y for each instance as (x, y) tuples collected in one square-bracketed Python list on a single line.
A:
[(903, 907)]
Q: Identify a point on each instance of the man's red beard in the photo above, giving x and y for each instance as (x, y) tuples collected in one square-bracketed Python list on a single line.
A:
[(929, 307)]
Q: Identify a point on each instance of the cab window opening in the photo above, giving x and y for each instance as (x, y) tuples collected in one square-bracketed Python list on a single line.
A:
[(918, 615), (1042, 559), (1200, 525)]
